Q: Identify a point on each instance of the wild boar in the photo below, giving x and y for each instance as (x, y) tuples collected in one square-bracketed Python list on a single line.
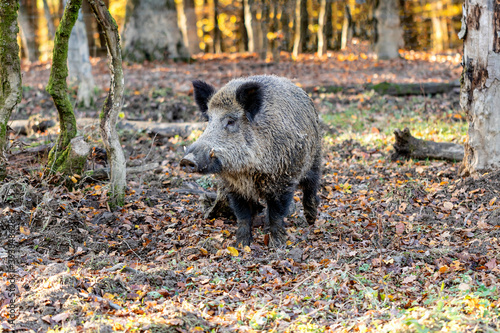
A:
[(263, 140)]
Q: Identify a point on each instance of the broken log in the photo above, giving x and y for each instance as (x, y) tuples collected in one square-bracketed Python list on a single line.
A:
[(103, 173), (407, 146), (161, 129), (405, 89)]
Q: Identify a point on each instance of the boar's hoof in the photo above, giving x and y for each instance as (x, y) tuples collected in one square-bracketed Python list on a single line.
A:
[(278, 236), (243, 234), (188, 163)]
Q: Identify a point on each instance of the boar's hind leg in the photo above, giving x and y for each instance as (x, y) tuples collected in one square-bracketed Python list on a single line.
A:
[(310, 185), (244, 211), (277, 208)]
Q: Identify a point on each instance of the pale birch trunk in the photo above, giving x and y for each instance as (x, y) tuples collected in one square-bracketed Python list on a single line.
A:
[(10, 73), (389, 31), (113, 104), (346, 31), (321, 28), (249, 24), (187, 23), (297, 40), (480, 93)]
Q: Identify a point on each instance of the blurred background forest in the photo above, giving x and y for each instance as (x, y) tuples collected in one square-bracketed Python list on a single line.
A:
[(262, 26)]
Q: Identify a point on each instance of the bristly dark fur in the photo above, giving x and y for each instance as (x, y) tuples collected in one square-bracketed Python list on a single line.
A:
[(263, 139), (250, 95), (202, 93)]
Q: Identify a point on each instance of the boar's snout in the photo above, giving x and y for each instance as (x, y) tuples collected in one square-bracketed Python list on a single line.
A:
[(188, 163), (201, 159)]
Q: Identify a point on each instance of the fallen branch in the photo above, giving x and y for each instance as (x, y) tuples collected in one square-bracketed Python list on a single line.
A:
[(103, 173), (407, 146)]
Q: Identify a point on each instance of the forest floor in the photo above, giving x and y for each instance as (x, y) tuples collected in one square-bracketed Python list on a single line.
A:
[(398, 246)]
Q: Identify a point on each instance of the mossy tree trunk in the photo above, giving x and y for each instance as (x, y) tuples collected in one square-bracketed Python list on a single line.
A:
[(58, 88), (113, 104), (10, 73)]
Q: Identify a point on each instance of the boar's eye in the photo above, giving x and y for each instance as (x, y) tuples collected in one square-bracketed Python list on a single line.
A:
[(230, 122)]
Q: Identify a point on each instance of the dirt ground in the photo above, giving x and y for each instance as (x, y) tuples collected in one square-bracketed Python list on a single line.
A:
[(398, 246)]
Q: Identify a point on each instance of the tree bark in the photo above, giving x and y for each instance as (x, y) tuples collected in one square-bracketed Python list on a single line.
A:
[(113, 104), (346, 28), (217, 37), (437, 36), (321, 27), (285, 26), (50, 20), (407, 146), (58, 88), (257, 25), (80, 70), (10, 73), (151, 31), (264, 26), (480, 93), (187, 24), (247, 7), (275, 41), (298, 39), (389, 32), (28, 35)]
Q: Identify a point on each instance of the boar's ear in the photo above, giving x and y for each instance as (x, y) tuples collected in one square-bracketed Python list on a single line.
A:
[(202, 94), (250, 95)]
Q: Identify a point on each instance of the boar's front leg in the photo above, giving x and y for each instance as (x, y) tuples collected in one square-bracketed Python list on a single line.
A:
[(245, 211), (277, 209)]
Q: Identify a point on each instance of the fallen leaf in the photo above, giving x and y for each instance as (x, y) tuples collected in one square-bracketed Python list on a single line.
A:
[(234, 252), (60, 317), (463, 286), (400, 228), (448, 205), (491, 264), (409, 279)]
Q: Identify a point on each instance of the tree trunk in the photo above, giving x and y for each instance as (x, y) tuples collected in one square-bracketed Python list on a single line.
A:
[(113, 104), (50, 20), (151, 31), (257, 25), (285, 26), (80, 70), (10, 73), (321, 28), (58, 88), (264, 19), (389, 33), (346, 28), (188, 26), (217, 33), (242, 30), (437, 38), (480, 93), (90, 27), (298, 39), (28, 35), (275, 42), (247, 8)]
